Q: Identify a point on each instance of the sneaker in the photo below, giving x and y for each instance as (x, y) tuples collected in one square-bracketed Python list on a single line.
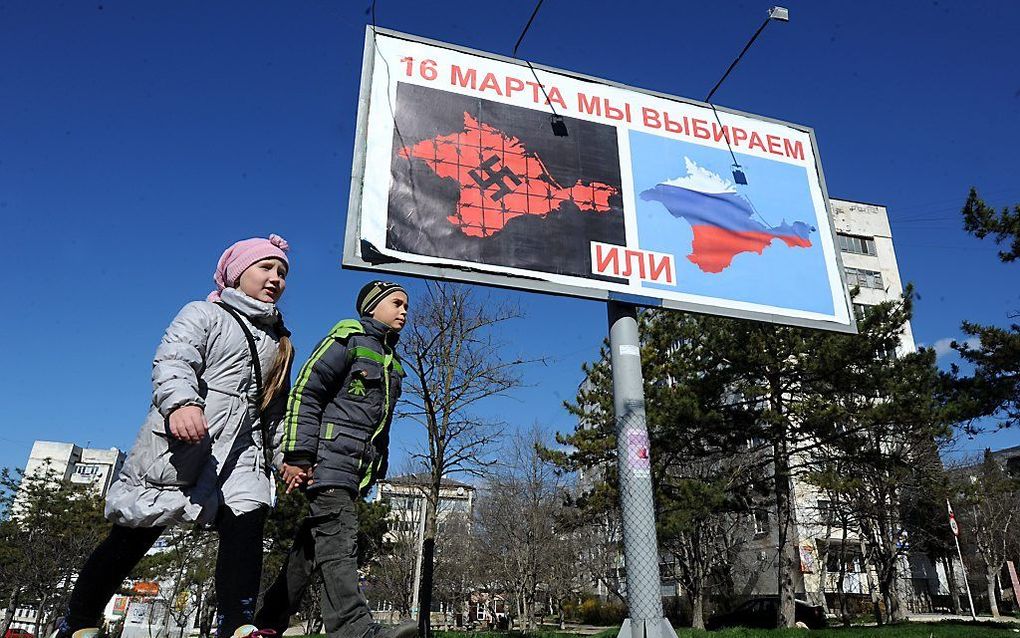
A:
[(248, 631), (403, 630), (88, 632)]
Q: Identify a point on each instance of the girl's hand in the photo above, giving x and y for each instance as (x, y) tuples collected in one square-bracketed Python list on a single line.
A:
[(295, 475), (188, 424)]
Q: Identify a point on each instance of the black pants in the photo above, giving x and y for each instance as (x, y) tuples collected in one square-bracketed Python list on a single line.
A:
[(238, 571), (327, 540)]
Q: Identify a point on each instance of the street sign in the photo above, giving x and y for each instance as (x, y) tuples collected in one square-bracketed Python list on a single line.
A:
[(475, 167)]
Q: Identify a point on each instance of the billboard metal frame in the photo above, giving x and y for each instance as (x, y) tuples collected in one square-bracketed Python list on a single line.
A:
[(353, 259)]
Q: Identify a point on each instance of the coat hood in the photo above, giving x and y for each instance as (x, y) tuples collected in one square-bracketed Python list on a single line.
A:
[(257, 311), (379, 330)]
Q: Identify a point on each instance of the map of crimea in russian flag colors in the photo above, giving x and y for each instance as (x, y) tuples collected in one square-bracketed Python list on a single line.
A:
[(722, 220)]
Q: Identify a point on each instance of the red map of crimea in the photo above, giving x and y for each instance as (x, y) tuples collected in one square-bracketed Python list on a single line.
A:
[(500, 179)]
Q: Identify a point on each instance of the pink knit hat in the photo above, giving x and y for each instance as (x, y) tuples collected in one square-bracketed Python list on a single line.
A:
[(236, 259)]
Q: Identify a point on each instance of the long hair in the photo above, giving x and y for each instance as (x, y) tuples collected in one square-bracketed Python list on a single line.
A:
[(279, 373)]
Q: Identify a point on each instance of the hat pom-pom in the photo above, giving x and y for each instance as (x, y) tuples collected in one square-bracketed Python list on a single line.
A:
[(279, 242)]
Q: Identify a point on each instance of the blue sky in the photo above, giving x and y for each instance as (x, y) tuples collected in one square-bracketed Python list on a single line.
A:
[(138, 139)]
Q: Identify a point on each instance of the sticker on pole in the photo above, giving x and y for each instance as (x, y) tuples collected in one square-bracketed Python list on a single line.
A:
[(476, 168), (638, 460)]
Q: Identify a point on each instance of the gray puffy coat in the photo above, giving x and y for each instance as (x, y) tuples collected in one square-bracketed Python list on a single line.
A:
[(204, 360)]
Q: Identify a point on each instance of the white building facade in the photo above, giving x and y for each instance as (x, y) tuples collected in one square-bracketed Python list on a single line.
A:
[(92, 468)]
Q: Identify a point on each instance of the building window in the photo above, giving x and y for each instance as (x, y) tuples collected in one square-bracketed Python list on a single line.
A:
[(825, 512), (453, 505), (861, 310), (761, 522), (857, 245), (851, 563), (863, 278)]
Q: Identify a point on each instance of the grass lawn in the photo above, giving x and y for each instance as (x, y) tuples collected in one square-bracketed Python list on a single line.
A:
[(910, 630)]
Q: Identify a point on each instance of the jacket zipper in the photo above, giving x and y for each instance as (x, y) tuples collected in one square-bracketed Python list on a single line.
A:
[(374, 467)]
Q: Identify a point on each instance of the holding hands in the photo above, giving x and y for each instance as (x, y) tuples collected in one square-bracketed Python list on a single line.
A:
[(296, 476)]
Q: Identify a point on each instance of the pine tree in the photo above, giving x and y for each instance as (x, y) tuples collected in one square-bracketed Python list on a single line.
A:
[(49, 527), (993, 388), (769, 399)]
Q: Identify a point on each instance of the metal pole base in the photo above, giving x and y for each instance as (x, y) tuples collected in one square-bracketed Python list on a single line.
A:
[(659, 628)]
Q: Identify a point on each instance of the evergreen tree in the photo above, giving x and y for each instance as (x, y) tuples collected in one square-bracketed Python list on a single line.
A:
[(49, 527), (993, 389), (982, 220), (779, 396)]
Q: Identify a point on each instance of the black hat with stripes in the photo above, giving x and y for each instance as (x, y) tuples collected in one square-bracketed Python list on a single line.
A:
[(374, 292)]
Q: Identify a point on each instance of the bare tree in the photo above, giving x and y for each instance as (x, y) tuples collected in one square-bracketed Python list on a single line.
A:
[(523, 531), (456, 362), (184, 569), (457, 567), (392, 577), (988, 511)]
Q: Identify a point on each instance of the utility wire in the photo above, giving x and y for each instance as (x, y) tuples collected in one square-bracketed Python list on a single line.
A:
[(737, 173), (734, 63), (526, 27), (559, 128)]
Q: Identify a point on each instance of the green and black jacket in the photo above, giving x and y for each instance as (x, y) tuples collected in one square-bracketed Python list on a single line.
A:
[(341, 406)]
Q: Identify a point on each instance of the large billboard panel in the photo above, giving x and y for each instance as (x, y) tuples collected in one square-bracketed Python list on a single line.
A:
[(478, 168)]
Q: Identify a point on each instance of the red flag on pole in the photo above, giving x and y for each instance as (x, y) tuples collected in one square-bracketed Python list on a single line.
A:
[(952, 521)]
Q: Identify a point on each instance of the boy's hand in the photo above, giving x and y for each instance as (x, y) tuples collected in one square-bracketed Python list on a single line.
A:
[(295, 475), (188, 424)]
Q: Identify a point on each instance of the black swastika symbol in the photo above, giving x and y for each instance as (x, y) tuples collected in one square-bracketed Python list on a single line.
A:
[(494, 177)]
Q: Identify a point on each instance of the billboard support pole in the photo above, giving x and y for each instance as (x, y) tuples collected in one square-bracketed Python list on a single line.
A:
[(640, 545)]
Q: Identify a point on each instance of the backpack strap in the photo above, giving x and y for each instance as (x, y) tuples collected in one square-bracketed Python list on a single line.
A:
[(252, 350), (267, 441)]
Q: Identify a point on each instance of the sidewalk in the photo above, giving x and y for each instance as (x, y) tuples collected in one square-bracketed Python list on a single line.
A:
[(960, 618)]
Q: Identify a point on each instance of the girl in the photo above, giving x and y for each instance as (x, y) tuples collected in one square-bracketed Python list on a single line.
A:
[(220, 380)]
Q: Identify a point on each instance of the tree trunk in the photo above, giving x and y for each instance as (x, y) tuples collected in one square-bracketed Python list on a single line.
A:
[(844, 612), (698, 610), (200, 609), (208, 613), (788, 556), (12, 604), (954, 587), (891, 593), (428, 559), (529, 613), (823, 572), (42, 605), (876, 606), (990, 581)]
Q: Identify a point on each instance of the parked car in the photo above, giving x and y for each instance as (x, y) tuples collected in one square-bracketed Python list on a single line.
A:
[(763, 612)]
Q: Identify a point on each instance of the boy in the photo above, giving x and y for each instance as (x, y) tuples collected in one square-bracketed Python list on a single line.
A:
[(337, 428)]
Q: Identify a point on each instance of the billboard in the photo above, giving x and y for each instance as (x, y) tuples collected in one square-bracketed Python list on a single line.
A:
[(478, 168)]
